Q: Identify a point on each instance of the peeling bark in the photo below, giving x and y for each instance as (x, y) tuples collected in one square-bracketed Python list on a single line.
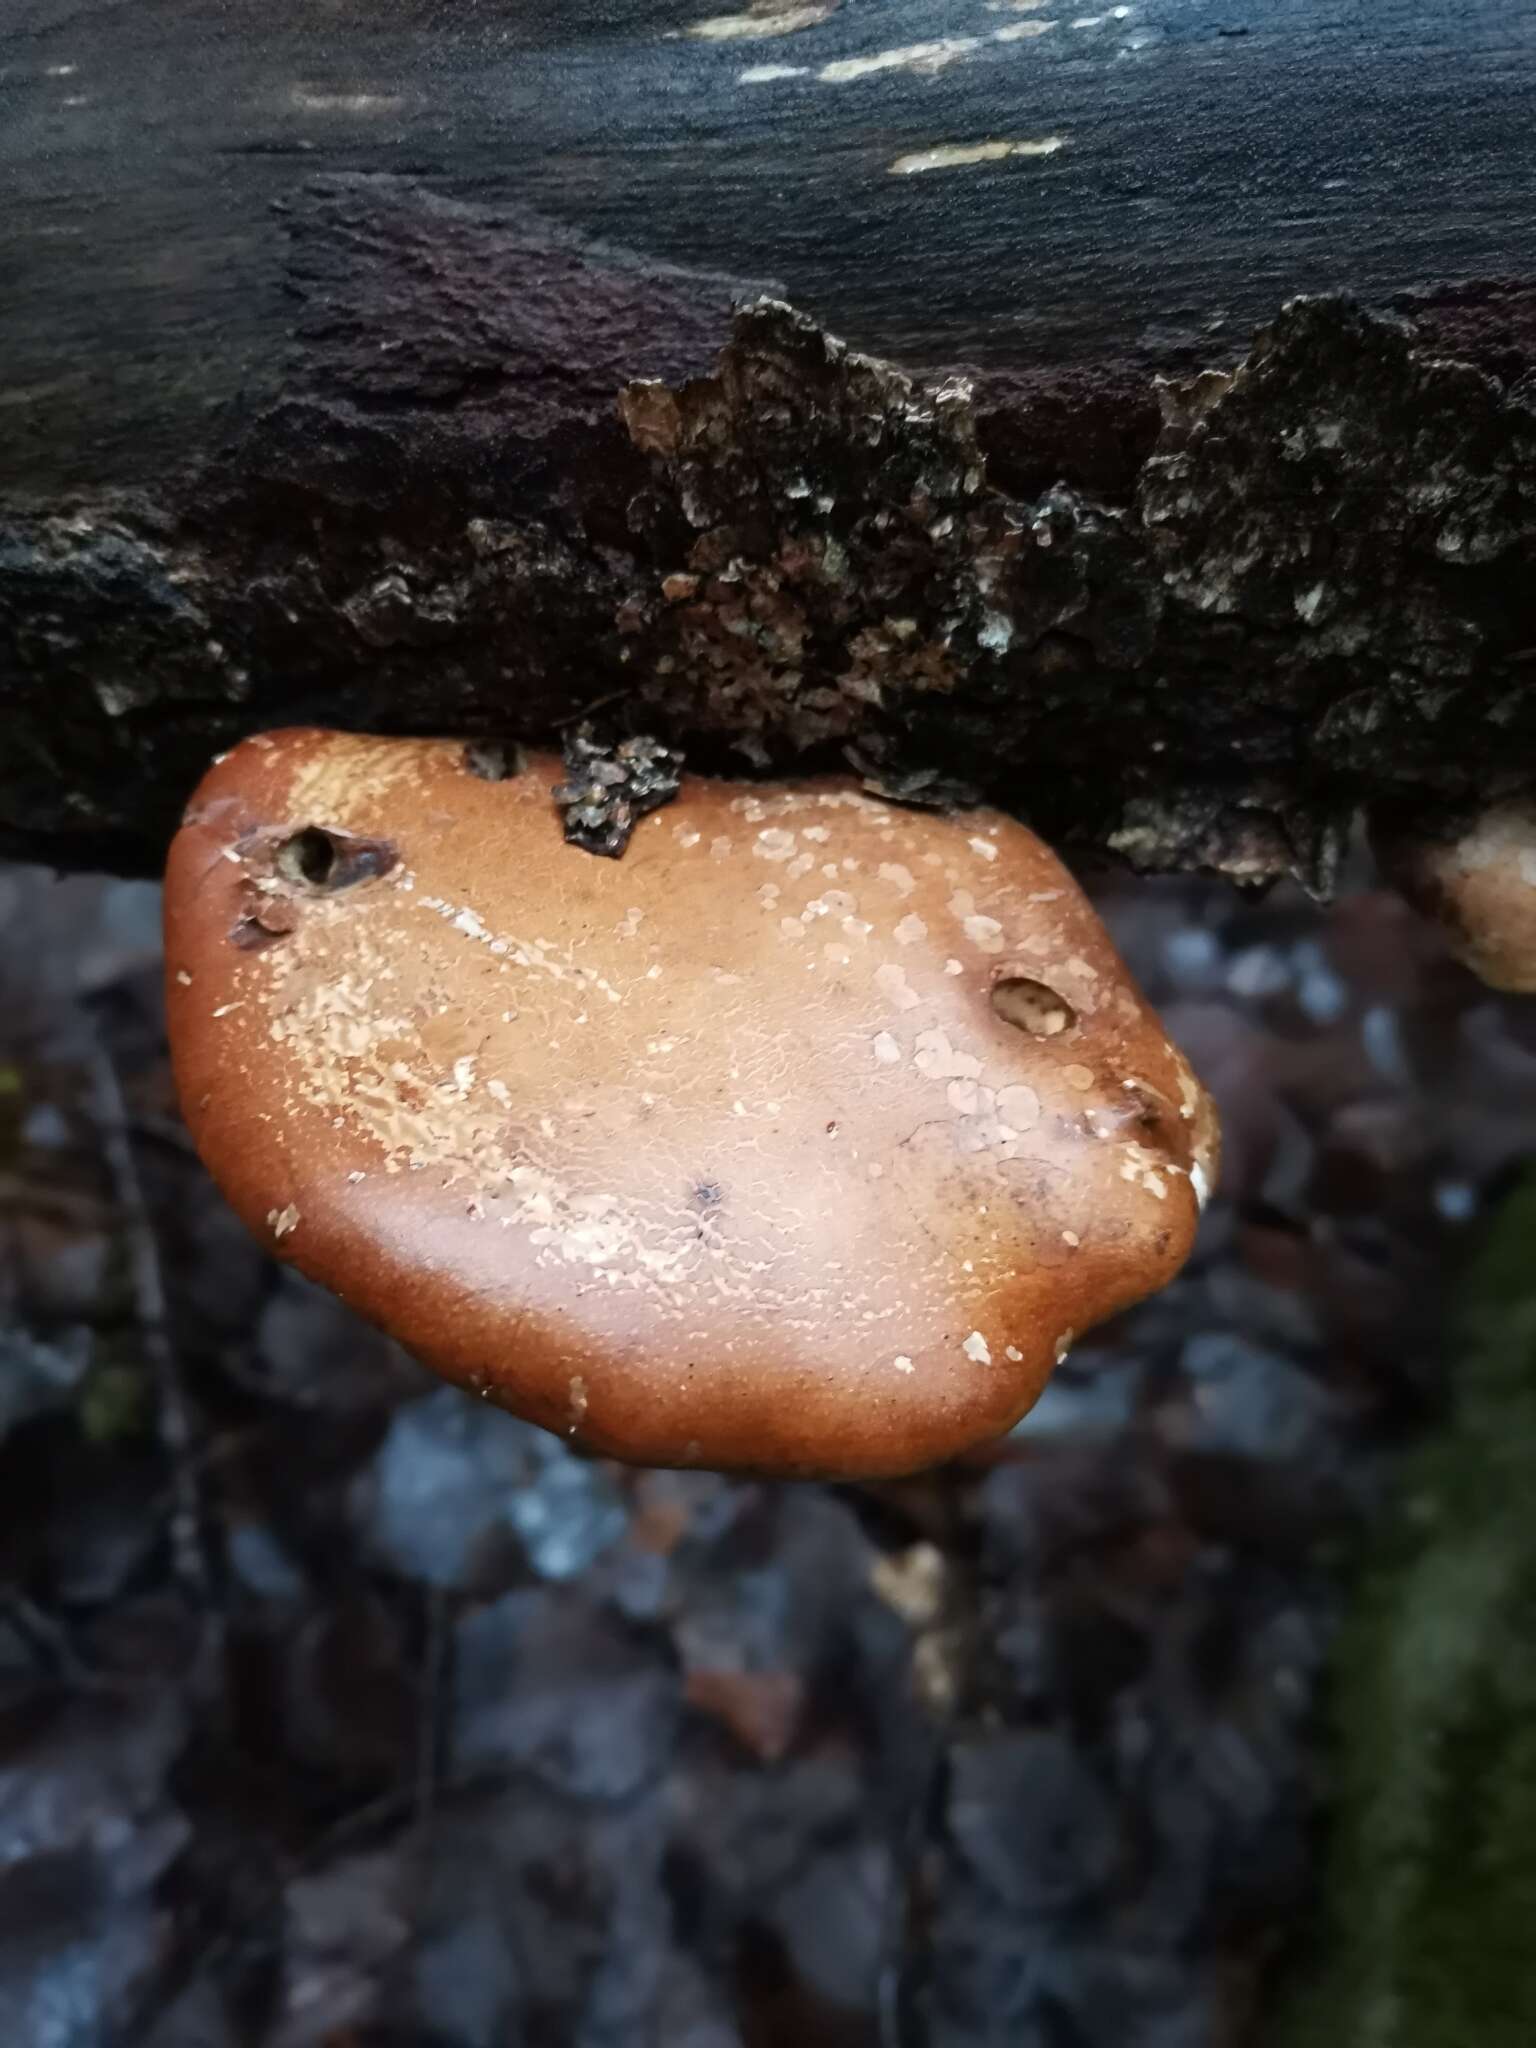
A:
[(504, 483)]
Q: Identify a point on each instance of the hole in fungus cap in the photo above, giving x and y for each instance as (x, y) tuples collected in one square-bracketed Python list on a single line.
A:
[(1032, 1006), (318, 859), (283, 870), (309, 856), (494, 760)]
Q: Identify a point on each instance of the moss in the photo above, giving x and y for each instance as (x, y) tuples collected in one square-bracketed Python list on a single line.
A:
[(12, 1104), (1431, 1891), (113, 1403)]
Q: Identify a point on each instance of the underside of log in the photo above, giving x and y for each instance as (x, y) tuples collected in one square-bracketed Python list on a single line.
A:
[(507, 476)]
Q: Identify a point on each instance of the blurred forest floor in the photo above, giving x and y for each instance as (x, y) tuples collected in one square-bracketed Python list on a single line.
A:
[(338, 1711)]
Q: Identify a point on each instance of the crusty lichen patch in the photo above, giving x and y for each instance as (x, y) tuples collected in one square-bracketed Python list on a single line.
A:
[(1316, 589), (828, 496), (764, 20), (950, 156)]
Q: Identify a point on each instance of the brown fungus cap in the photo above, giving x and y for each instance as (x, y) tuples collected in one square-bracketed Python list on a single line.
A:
[(802, 1139), (1475, 877)]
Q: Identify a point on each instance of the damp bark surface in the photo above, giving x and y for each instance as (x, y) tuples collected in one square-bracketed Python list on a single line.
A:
[(459, 378), (940, 180)]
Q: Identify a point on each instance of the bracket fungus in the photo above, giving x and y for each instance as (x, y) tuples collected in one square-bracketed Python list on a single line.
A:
[(1475, 877), (800, 1140)]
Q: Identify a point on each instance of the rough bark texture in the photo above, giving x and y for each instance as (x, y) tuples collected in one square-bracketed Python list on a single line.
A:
[(512, 476), (1171, 170)]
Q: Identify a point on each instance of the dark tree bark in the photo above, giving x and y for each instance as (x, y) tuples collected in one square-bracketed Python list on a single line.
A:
[(382, 446)]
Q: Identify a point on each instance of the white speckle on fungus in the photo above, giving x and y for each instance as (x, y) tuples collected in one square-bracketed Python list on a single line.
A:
[(892, 982), (984, 933), (940, 1061), (578, 1407), (1018, 1107)]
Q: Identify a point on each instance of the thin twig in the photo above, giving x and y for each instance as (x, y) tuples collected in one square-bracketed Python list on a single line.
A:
[(428, 1744), (189, 1560), (957, 1621), (50, 1641), (597, 704), (895, 1935), (200, 1947)]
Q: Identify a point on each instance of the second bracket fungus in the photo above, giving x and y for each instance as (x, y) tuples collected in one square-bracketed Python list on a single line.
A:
[(1475, 877), (803, 1139)]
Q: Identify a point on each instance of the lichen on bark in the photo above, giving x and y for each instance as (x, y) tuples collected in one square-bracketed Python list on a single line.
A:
[(844, 562)]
